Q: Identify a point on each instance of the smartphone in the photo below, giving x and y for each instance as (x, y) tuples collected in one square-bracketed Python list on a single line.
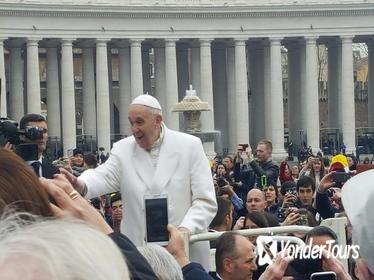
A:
[(340, 177), (303, 268), (156, 219), (327, 275)]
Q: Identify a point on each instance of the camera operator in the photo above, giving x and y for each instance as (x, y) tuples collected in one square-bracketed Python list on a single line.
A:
[(266, 171), (42, 167)]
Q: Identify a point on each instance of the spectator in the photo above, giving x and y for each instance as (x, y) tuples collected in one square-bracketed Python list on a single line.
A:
[(116, 205), (305, 187), (20, 188), (90, 161), (77, 162), (263, 166), (285, 172), (41, 166), (229, 164), (162, 262), (235, 257), (318, 170), (320, 235), (223, 219), (271, 197), (56, 249)]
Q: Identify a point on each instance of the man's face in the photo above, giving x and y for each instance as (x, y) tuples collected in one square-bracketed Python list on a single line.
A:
[(305, 195), (263, 153), (244, 264), (228, 163), (256, 200), (42, 143), (145, 126)]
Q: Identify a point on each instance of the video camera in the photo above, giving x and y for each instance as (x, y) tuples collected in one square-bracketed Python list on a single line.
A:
[(9, 132)]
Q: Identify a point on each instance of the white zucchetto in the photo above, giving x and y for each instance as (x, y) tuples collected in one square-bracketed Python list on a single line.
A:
[(147, 100)]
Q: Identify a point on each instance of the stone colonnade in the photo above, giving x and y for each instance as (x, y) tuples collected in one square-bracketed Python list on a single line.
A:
[(240, 78)]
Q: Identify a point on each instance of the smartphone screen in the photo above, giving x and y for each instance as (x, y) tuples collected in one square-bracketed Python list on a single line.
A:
[(328, 275), (156, 218)]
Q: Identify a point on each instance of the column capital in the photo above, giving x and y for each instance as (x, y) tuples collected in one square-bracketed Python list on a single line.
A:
[(346, 39), (205, 42), (275, 40), (170, 42), (136, 42), (310, 39), (67, 42), (33, 42), (239, 41), (101, 42)]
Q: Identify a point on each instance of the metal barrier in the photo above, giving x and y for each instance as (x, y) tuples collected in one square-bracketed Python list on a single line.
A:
[(338, 225)]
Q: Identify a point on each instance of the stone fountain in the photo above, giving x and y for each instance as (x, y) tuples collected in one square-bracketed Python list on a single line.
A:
[(191, 106)]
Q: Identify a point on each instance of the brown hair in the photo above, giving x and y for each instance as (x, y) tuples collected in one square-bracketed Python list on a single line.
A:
[(267, 143), (20, 189)]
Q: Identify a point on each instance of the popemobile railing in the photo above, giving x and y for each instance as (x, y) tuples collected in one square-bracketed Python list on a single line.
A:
[(338, 225)]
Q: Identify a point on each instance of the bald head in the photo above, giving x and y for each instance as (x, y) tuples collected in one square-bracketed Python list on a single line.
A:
[(256, 200)]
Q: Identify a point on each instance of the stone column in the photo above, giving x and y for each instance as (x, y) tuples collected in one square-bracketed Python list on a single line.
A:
[(53, 94), (294, 93), (333, 94), (146, 70), (171, 86), (182, 67), (371, 84), (267, 92), (312, 100), (347, 96), (303, 78), (220, 94), (124, 90), (195, 69), (33, 79), (89, 92), (3, 93), (276, 98), (67, 97), (241, 92), (206, 84), (231, 104), (258, 100), (160, 92), (16, 98), (102, 95), (136, 68)]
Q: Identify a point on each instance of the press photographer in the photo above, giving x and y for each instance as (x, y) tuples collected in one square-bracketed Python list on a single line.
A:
[(30, 142)]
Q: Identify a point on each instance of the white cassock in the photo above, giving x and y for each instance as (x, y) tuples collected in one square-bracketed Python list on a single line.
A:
[(182, 172), (358, 201)]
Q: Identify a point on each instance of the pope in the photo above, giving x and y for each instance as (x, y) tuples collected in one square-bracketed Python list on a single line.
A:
[(156, 160)]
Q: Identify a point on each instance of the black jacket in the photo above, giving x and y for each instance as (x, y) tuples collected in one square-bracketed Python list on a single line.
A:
[(138, 265), (48, 170), (268, 168)]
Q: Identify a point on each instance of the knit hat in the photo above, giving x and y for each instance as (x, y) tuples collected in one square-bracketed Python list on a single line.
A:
[(147, 100), (339, 163)]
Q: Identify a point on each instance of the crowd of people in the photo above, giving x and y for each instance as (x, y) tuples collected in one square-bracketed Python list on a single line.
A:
[(77, 218)]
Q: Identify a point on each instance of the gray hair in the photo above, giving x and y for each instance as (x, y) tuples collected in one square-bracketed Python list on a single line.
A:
[(155, 111), (162, 262), (57, 249)]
